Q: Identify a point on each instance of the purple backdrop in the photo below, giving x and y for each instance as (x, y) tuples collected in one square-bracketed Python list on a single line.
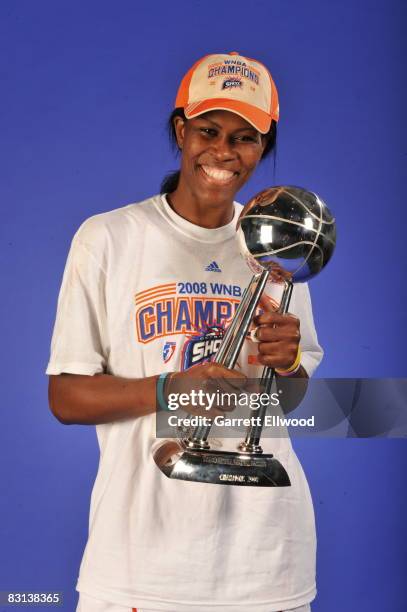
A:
[(86, 91)]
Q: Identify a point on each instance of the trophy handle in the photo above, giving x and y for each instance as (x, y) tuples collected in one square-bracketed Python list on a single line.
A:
[(251, 443), (231, 345)]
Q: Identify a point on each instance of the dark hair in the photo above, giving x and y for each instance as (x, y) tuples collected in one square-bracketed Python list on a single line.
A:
[(170, 181)]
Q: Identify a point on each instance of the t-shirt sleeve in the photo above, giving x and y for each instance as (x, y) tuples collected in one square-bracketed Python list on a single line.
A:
[(80, 338), (311, 350)]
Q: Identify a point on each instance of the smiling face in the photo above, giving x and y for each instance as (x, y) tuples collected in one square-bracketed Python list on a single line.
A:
[(220, 150)]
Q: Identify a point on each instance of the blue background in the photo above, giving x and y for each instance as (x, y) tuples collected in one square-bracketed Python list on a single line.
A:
[(86, 88)]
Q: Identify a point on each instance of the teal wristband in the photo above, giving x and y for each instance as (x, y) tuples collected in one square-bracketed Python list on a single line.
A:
[(160, 390)]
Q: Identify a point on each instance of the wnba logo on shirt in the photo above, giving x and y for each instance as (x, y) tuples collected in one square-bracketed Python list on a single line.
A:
[(168, 351)]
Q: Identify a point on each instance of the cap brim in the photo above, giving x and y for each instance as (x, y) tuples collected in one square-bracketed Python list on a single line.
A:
[(255, 116)]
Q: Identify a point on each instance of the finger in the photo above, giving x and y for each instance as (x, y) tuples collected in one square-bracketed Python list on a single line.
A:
[(217, 400), (286, 349), (274, 349), (226, 385), (268, 360), (202, 412), (265, 333), (252, 335), (267, 303), (233, 377), (273, 361), (277, 319), (277, 355)]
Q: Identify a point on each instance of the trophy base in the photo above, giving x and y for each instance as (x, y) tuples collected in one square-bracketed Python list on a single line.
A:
[(175, 460)]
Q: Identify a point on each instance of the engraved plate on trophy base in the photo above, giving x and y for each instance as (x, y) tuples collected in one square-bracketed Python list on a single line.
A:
[(226, 468)]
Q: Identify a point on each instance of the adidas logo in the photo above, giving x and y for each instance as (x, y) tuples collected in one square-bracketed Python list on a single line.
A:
[(213, 267)]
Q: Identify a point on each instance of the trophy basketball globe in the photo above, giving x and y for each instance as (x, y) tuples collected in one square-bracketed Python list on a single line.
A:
[(286, 235)]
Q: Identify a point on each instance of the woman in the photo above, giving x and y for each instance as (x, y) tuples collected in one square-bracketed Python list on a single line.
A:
[(145, 288)]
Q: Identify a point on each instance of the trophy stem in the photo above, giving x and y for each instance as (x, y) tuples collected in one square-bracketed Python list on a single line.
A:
[(244, 314), (227, 340), (251, 443), (232, 343)]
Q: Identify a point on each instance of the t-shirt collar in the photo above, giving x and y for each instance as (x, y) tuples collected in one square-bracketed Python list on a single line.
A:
[(203, 234)]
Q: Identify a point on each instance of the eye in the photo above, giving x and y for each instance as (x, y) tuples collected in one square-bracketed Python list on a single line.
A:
[(247, 138), (208, 131)]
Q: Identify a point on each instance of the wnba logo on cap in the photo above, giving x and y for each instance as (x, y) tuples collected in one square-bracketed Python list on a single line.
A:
[(229, 83)]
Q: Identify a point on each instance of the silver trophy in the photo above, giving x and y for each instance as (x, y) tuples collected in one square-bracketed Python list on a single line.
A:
[(286, 235)]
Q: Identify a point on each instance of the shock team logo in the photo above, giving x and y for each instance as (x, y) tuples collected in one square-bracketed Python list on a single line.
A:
[(201, 346), (231, 84)]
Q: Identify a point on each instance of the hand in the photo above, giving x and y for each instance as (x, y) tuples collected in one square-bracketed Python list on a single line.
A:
[(209, 378), (279, 336)]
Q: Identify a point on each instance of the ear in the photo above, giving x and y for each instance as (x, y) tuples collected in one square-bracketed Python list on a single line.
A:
[(179, 128)]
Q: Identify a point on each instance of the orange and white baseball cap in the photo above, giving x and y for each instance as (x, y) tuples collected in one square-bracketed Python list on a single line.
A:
[(229, 81)]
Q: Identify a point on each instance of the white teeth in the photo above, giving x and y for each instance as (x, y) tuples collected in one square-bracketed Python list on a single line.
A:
[(217, 174)]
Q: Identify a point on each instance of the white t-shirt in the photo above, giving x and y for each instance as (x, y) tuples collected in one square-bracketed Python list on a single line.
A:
[(142, 290)]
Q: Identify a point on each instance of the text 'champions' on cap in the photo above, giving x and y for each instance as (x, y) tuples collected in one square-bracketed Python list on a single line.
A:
[(230, 82)]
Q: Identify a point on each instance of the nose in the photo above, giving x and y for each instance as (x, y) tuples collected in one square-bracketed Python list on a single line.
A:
[(222, 149)]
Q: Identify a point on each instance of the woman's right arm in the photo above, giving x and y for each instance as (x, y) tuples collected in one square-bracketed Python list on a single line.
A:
[(102, 398)]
